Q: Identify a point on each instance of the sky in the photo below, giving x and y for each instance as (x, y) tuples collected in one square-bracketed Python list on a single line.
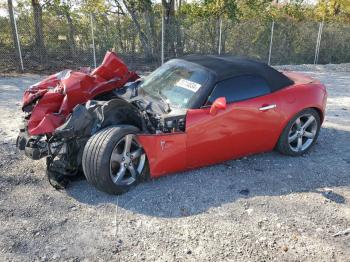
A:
[(3, 12)]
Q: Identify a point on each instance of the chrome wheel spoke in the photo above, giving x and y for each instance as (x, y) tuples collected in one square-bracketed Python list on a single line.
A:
[(308, 134), (134, 173), (300, 143), (292, 137), (127, 146), (308, 122), (137, 153), (298, 123), (120, 175)]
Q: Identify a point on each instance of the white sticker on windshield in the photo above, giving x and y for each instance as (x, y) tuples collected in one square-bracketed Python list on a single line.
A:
[(189, 85)]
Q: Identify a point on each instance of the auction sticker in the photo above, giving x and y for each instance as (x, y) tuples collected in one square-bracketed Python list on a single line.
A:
[(189, 85)]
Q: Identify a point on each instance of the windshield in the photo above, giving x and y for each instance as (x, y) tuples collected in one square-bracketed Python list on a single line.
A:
[(175, 83)]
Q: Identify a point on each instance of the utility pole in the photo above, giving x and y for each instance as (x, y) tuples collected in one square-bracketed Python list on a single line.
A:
[(318, 42), (271, 40), (220, 36), (162, 44), (93, 40)]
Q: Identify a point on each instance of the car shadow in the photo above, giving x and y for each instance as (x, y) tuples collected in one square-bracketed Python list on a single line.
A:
[(193, 192)]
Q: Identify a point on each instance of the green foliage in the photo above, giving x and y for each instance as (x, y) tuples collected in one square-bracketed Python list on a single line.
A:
[(333, 10), (211, 8), (194, 28)]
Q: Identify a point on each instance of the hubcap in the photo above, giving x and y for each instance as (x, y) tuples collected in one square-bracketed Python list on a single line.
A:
[(127, 160), (302, 133)]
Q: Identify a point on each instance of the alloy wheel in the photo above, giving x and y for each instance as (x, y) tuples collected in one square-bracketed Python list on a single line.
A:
[(302, 133), (127, 160)]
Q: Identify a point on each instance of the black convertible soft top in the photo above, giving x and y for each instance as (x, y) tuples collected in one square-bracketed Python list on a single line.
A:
[(228, 66)]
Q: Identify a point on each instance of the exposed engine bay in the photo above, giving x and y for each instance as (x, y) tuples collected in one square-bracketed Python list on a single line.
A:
[(63, 111)]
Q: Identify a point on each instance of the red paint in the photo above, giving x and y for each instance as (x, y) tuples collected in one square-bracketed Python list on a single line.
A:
[(219, 104), (239, 130), (166, 153), (222, 132), (58, 96)]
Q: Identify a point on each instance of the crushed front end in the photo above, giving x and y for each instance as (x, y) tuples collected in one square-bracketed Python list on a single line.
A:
[(50, 128), (63, 111)]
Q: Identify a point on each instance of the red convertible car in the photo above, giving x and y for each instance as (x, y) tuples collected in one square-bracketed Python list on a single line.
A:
[(120, 129)]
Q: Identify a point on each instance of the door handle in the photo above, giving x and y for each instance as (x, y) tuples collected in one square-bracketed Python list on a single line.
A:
[(264, 108)]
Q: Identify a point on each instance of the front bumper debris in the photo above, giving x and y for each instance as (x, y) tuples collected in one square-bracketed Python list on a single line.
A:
[(32, 146)]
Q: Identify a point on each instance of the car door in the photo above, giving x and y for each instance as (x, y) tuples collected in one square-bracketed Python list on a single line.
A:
[(249, 124)]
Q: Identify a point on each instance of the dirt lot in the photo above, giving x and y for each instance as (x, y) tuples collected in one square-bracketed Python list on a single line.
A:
[(261, 208)]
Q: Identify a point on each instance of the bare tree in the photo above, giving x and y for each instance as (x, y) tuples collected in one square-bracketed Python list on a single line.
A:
[(71, 33), (170, 26), (130, 7), (147, 10), (14, 34), (38, 25)]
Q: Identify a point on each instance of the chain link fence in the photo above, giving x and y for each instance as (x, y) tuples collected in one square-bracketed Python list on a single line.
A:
[(83, 40)]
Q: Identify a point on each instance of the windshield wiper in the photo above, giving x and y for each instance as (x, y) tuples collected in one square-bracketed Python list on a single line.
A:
[(164, 100)]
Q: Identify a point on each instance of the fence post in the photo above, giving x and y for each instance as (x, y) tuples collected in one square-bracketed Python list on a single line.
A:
[(271, 39), (318, 42), (93, 40), (162, 44), (220, 36), (17, 39)]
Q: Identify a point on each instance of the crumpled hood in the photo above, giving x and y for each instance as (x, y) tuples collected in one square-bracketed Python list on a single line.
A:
[(53, 99)]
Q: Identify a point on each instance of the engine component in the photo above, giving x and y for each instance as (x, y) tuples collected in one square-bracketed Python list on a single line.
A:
[(171, 124)]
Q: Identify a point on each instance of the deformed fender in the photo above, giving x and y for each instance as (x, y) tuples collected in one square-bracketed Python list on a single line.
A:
[(52, 100), (166, 153), (78, 124), (87, 119), (120, 112), (83, 122)]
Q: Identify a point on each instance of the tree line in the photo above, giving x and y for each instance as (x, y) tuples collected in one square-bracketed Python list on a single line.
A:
[(62, 28)]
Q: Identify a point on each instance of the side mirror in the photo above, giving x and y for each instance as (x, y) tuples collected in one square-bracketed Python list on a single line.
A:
[(219, 104)]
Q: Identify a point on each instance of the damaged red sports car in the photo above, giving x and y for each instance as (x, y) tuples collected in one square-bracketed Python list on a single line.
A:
[(120, 129)]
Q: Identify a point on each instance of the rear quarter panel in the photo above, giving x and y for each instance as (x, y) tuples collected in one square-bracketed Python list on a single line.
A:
[(295, 98)]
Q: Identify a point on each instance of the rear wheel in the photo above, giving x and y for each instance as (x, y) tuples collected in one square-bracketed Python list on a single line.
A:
[(300, 133), (114, 160)]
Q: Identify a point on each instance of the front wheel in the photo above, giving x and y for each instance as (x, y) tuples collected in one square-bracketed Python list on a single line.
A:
[(300, 134), (114, 160)]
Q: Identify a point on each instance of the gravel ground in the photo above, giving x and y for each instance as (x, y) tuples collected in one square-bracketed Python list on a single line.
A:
[(260, 208)]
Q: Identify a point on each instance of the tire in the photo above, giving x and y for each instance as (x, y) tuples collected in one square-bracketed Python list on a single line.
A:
[(304, 127), (109, 166)]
